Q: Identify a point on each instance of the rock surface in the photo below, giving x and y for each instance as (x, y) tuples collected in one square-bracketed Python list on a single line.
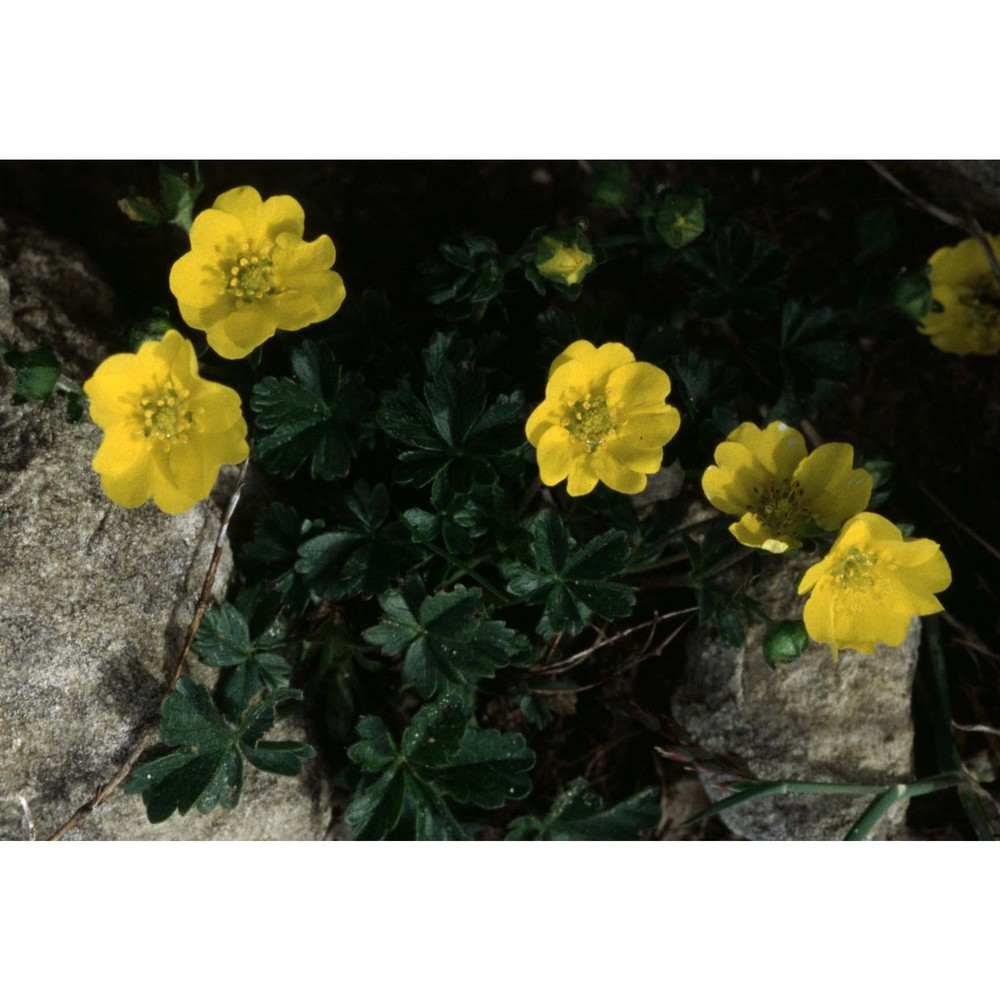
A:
[(94, 599), (813, 720)]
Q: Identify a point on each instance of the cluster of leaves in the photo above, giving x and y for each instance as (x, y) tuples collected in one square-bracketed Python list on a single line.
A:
[(410, 575)]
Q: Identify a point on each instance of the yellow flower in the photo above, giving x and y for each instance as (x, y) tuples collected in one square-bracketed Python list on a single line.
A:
[(604, 418), (166, 430), (782, 493), (249, 272), (563, 263), (871, 585), (962, 283)]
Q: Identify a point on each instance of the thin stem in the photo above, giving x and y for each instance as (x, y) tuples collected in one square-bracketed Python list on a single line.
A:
[(870, 818), (468, 571), (152, 725), (759, 790)]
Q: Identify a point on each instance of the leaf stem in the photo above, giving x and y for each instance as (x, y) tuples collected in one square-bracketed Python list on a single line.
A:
[(468, 571)]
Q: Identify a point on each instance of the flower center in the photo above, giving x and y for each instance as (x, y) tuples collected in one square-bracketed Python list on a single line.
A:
[(589, 421), (854, 571), (250, 277), (779, 507), (166, 416)]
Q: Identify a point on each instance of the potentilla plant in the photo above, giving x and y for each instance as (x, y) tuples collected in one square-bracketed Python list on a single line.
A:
[(461, 556)]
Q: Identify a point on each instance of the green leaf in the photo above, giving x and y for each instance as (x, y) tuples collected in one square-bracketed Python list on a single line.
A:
[(442, 756), (784, 642), (579, 814), (912, 296), (734, 271), (446, 637), (206, 769), (451, 430), (223, 638), (362, 556), (489, 768), (35, 373), (572, 585), (272, 552), (435, 732), (308, 418), (680, 219), (610, 182), (374, 812), (464, 275)]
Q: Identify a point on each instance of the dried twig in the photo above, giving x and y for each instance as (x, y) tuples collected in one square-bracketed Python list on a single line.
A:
[(28, 818), (151, 726), (571, 661), (969, 224)]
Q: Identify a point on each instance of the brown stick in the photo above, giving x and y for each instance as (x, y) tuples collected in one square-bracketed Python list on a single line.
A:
[(969, 225), (150, 728)]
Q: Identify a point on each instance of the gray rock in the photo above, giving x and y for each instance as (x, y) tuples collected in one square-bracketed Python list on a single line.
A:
[(812, 720), (961, 187), (95, 600)]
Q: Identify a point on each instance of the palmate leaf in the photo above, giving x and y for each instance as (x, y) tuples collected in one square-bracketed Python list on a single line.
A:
[(579, 814), (446, 638), (440, 756), (362, 556), (307, 419), (451, 430), (206, 769), (572, 585), (734, 271), (271, 553), (224, 640)]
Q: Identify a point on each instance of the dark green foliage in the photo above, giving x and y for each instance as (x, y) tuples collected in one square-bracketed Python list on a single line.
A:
[(464, 275), (441, 756), (451, 430), (35, 373), (175, 203), (573, 585), (734, 271), (784, 642), (447, 639), (360, 557), (224, 639), (206, 769), (274, 549), (680, 218), (308, 418), (911, 295), (610, 183), (579, 814)]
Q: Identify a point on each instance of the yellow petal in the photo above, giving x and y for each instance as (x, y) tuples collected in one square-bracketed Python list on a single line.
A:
[(557, 451), (582, 477), (832, 489), (605, 360), (777, 448), (197, 280), (812, 576), (731, 487), (292, 254), (543, 416), (243, 203), (650, 430), (615, 475), (279, 216), (241, 332), (965, 264), (127, 485), (308, 298), (579, 350), (216, 235), (750, 531), (637, 387), (631, 454)]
